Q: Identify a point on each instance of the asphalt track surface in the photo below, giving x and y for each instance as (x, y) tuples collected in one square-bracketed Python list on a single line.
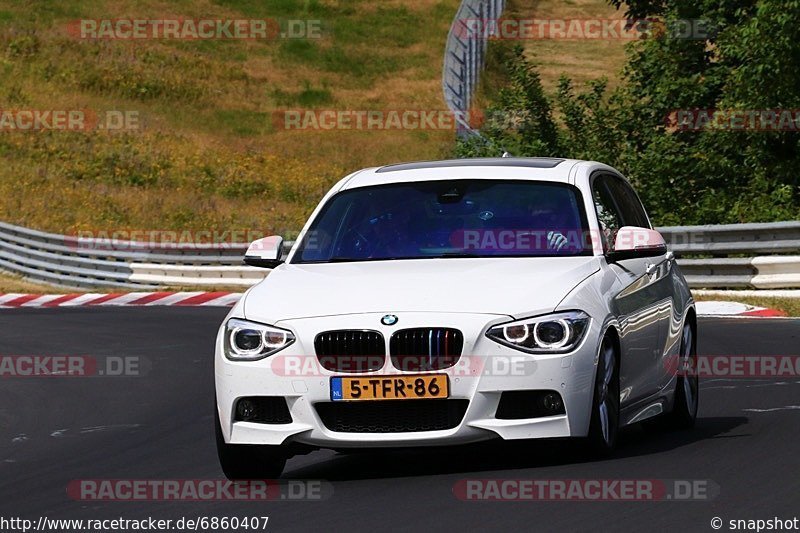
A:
[(159, 426)]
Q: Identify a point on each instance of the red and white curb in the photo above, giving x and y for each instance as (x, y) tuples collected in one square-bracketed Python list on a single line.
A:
[(184, 299), (735, 309), (227, 299)]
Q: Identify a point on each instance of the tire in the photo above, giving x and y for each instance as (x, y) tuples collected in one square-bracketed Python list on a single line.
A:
[(604, 423), (248, 462), (687, 389)]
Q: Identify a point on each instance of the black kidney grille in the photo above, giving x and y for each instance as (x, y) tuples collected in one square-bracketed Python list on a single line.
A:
[(392, 416), (351, 350), (420, 349)]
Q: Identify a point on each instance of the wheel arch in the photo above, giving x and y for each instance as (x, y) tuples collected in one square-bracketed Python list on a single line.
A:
[(612, 332), (691, 319)]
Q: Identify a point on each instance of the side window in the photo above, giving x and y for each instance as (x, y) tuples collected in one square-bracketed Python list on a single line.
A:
[(629, 204), (607, 213)]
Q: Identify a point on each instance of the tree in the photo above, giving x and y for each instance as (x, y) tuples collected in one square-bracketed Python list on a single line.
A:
[(750, 62)]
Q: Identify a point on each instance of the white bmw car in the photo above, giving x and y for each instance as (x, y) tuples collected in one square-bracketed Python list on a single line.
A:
[(446, 302)]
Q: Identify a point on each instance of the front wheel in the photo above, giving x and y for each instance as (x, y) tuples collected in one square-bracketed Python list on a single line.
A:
[(687, 390), (604, 424), (245, 461)]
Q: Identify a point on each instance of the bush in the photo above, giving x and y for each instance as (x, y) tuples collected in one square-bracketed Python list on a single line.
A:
[(705, 176)]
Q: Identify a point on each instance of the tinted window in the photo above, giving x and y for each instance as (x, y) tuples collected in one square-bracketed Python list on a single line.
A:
[(629, 205), (608, 214), (473, 218)]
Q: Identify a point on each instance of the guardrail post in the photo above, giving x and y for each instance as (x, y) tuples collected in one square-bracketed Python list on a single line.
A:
[(466, 48)]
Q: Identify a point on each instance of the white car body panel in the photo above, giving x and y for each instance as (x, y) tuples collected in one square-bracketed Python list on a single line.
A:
[(501, 286)]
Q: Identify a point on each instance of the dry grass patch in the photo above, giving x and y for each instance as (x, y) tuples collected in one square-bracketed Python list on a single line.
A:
[(10, 284), (209, 154), (581, 60)]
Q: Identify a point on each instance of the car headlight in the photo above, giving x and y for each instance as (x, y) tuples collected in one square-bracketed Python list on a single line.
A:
[(249, 341), (555, 333)]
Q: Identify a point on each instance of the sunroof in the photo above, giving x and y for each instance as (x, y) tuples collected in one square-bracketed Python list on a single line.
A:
[(529, 162)]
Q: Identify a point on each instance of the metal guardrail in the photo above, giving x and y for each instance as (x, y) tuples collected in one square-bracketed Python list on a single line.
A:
[(91, 263), (763, 272), (731, 239), (196, 275), (72, 261), (752, 240), (465, 54)]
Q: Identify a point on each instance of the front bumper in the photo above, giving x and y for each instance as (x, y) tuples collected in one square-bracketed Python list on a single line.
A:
[(486, 369)]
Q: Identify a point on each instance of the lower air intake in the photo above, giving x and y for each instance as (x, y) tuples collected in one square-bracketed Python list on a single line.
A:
[(392, 416), (262, 410), (516, 405)]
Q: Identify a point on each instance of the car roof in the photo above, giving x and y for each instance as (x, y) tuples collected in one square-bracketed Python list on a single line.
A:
[(523, 168), (528, 162)]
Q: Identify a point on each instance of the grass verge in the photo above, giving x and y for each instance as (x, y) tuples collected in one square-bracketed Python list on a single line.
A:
[(10, 284)]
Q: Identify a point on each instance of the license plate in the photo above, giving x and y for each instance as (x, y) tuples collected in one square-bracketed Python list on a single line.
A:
[(415, 387)]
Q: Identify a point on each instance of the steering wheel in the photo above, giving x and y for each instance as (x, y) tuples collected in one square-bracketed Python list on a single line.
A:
[(357, 244)]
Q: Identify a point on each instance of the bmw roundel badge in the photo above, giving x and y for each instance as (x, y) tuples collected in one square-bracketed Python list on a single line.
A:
[(389, 320)]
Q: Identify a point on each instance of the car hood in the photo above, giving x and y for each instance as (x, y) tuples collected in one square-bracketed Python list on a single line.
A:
[(503, 286)]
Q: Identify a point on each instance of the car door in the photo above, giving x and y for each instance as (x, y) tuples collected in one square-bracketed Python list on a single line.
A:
[(660, 282), (640, 304)]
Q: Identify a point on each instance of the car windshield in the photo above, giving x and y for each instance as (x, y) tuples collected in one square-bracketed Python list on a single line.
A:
[(440, 219)]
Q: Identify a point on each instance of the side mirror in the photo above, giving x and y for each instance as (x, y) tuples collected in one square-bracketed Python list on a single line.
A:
[(632, 242), (265, 253)]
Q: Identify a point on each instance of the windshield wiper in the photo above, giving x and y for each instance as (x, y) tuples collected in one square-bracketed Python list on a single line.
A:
[(341, 259), (456, 254)]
